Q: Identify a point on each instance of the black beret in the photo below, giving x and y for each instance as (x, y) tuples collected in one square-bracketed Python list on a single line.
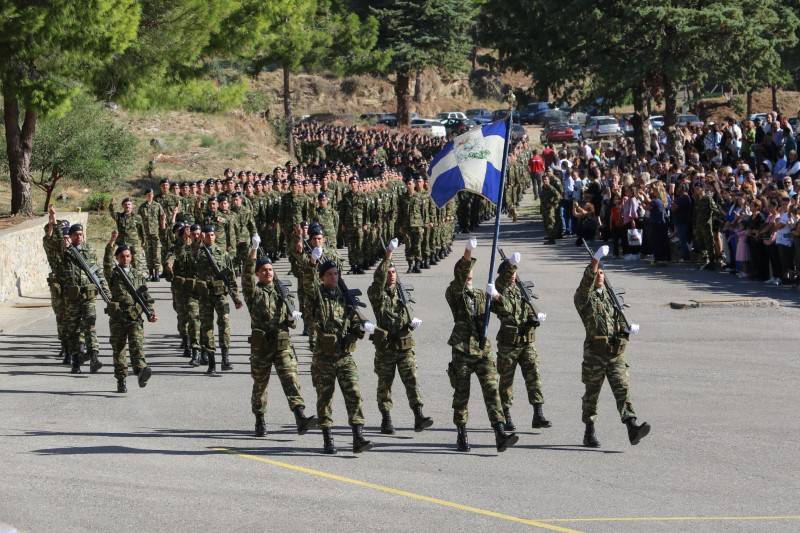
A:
[(261, 262), (210, 181), (195, 227), (163, 181), (321, 195), (315, 229), (121, 248), (208, 229), (177, 226), (148, 191), (75, 227), (222, 198), (505, 266), (327, 265)]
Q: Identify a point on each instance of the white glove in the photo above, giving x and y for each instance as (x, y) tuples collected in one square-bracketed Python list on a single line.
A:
[(369, 327), (515, 258), (255, 242), (415, 323), (472, 244), (393, 244), (316, 253), (541, 317), (601, 252), (491, 291), (297, 315), (634, 329)]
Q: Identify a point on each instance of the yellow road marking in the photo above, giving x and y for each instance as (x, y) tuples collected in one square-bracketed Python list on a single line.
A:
[(398, 492), (673, 519)]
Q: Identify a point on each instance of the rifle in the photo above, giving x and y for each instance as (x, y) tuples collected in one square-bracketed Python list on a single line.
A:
[(526, 289), (91, 272), (134, 292), (403, 291), (218, 273), (616, 298)]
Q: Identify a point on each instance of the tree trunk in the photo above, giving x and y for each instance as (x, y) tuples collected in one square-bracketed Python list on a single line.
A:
[(670, 102), (749, 103), (641, 118), (287, 111), (19, 144), (49, 187), (401, 93), (418, 88), (774, 89), (473, 56)]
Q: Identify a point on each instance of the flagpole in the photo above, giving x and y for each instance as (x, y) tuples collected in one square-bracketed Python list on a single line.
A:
[(509, 124)]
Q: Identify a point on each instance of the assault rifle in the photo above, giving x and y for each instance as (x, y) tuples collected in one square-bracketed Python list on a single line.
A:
[(526, 289), (91, 272), (350, 295), (218, 273), (134, 292), (616, 298), (403, 291)]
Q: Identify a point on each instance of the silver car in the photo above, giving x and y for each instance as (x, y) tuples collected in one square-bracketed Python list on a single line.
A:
[(602, 127)]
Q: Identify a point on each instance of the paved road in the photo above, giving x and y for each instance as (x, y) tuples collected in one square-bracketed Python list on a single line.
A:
[(718, 385)]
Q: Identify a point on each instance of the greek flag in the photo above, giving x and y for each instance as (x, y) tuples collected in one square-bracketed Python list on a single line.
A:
[(473, 161)]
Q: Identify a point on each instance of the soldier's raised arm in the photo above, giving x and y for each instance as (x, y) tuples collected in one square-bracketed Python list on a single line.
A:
[(108, 256), (585, 287), (249, 280), (464, 266)]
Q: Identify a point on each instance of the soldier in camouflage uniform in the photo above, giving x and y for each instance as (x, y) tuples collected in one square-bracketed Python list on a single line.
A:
[(394, 344), (515, 344), (326, 217), (271, 317), (168, 202), (412, 226), (130, 230), (338, 326), (245, 227), (604, 352), (53, 237), (151, 212), (224, 233), (549, 198), (704, 211), (79, 294), (180, 271), (213, 297), (427, 208), (354, 221), (468, 306), (125, 315)]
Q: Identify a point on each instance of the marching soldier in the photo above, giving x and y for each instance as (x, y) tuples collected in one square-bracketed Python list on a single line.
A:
[(604, 352), (130, 230), (271, 317), (338, 326), (213, 289), (515, 344), (354, 217), (549, 199), (125, 314), (168, 202), (53, 237), (468, 306), (180, 268), (394, 344), (150, 213)]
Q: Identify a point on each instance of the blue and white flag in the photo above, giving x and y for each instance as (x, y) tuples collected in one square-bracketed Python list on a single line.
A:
[(473, 161)]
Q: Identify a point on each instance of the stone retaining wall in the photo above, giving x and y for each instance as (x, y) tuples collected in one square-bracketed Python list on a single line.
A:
[(23, 264)]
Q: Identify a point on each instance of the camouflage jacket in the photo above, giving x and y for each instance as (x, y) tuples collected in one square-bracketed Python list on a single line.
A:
[(512, 309), (268, 312), (390, 313), (204, 271), (150, 213), (129, 227), (329, 313), (596, 309), (468, 306), (124, 307)]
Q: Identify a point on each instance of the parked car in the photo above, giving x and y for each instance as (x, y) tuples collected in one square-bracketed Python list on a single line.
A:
[(432, 127), (481, 116), (689, 120), (554, 116), (457, 126), (656, 121), (557, 132), (626, 125), (577, 131), (447, 115), (499, 114), (517, 132), (754, 116), (603, 126), (533, 113)]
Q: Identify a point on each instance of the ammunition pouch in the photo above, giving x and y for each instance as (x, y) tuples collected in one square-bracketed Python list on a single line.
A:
[(327, 343), (278, 342), (282, 340), (349, 342), (405, 343), (217, 288), (112, 309), (201, 288), (508, 335), (73, 292), (55, 286), (379, 337)]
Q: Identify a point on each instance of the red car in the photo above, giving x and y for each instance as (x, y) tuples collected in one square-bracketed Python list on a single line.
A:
[(558, 132)]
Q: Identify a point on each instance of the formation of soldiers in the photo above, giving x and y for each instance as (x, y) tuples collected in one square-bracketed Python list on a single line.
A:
[(216, 242)]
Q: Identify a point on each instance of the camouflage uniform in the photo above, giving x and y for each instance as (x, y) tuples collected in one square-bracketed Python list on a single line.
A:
[(213, 298), (549, 199), (150, 214), (131, 233), (328, 218), (168, 203), (603, 349), (354, 217), (703, 213), (52, 247), (468, 306), (181, 261)]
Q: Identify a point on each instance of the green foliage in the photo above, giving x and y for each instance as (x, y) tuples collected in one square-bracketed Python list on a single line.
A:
[(256, 102), (207, 141), (738, 105), (84, 144), (204, 96), (98, 201)]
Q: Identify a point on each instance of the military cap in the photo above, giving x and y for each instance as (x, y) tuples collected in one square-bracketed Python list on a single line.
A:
[(327, 265), (261, 262), (177, 226), (315, 229), (208, 229), (148, 191), (210, 181), (222, 197), (121, 248), (195, 227), (237, 194), (75, 227), (321, 195), (163, 181)]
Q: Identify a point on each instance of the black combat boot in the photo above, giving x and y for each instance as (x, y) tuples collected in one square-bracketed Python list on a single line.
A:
[(194, 360), (94, 364), (121, 387), (589, 438), (421, 421), (462, 443), (387, 428), (636, 433), (417, 264), (226, 362), (550, 241), (187, 351), (539, 421), (410, 267), (304, 423), (212, 364), (67, 358), (433, 260), (184, 341), (327, 438), (502, 439), (509, 425), (203, 357), (157, 276), (144, 376), (425, 264), (261, 426), (76, 364), (360, 444)]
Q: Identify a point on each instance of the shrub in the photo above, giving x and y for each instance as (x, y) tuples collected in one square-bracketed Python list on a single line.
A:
[(204, 96), (98, 201), (207, 140), (256, 102)]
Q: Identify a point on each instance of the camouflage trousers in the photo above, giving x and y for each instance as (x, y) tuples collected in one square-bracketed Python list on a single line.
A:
[(153, 253), (704, 241), (187, 309), (460, 370), (550, 221), (261, 363), (524, 355), (80, 318), (601, 361), (325, 371), (355, 247), (59, 307), (414, 243), (426, 247), (386, 361), (208, 307), (126, 335)]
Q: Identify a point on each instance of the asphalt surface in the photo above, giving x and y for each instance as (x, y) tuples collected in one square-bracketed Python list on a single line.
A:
[(717, 384)]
